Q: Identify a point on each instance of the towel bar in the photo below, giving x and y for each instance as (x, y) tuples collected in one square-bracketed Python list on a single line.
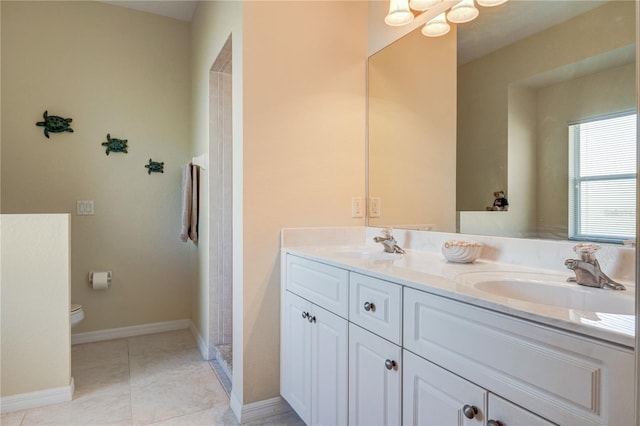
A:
[(201, 160)]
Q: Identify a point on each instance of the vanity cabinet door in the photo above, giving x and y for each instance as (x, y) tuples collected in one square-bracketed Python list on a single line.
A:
[(314, 362), (295, 359), (329, 368), (375, 379), (505, 413), (435, 396)]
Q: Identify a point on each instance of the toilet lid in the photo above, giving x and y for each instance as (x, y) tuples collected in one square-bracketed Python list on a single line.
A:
[(75, 307)]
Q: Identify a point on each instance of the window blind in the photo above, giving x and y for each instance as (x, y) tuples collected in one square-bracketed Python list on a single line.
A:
[(602, 203)]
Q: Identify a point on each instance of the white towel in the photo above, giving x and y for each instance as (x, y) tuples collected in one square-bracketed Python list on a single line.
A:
[(187, 196)]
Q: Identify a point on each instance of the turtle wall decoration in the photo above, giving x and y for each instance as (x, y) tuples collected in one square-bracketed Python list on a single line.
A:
[(54, 124), (115, 145), (155, 166)]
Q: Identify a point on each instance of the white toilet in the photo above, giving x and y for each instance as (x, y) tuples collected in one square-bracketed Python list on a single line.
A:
[(77, 314)]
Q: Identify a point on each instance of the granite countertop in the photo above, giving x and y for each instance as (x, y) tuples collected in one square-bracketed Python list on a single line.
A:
[(430, 272)]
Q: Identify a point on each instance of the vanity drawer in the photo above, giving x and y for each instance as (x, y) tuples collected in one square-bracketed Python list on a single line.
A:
[(322, 284), (509, 414), (376, 305), (566, 378)]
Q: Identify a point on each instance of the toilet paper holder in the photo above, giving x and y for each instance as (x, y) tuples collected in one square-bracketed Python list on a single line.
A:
[(109, 274)]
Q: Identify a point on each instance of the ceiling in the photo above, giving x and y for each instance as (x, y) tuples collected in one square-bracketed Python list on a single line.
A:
[(177, 9), (497, 27)]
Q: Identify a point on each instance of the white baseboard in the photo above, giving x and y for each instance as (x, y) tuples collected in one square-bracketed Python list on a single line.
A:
[(24, 401), (202, 345), (258, 410), (235, 405), (123, 332)]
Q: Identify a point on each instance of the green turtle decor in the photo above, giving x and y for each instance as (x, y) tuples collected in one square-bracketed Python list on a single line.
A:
[(54, 124), (115, 145), (155, 166)]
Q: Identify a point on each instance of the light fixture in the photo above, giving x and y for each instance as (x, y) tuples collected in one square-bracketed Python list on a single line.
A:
[(399, 13), (462, 12), (424, 4), (436, 27), (490, 3)]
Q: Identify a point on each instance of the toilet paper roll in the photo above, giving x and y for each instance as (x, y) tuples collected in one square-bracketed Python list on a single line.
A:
[(100, 280)]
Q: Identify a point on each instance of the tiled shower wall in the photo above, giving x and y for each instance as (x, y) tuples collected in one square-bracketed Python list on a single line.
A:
[(220, 133)]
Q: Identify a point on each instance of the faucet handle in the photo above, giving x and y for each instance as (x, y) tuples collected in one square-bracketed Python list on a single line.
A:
[(586, 247), (586, 251), (387, 232)]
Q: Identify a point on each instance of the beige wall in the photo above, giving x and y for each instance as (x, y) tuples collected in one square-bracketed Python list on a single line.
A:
[(483, 92), (36, 343), (412, 131), (521, 157), (298, 156), (112, 70), (519, 220), (304, 124)]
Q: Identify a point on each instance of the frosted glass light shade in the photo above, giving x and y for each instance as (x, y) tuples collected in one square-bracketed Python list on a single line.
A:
[(491, 3), (436, 27), (424, 4), (399, 13), (462, 12)]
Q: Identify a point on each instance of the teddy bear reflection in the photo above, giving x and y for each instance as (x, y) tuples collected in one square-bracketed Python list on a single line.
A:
[(500, 203)]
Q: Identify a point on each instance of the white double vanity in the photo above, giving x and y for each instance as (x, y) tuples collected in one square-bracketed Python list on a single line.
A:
[(372, 338)]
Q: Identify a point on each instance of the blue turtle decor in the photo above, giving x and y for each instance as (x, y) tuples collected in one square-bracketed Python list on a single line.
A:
[(54, 124), (115, 145), (155, 166)]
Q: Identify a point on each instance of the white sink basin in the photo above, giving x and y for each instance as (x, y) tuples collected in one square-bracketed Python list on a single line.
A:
[(369, 254), (551, 290)]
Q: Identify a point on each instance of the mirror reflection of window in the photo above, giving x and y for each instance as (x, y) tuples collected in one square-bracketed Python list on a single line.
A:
[(602, 178)]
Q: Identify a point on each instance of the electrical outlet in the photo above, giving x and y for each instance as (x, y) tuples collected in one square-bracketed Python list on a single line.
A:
[(357, 207), (84, 207), (374, 207)]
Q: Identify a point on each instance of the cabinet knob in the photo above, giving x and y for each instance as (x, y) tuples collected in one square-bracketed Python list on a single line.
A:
[(494, 423), (369, 306), (310, 318), (305, 315), (390, 365), (469, 411)]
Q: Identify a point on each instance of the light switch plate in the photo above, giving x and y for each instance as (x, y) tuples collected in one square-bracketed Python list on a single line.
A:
[(357, 209), (374, 207), (84, 208)]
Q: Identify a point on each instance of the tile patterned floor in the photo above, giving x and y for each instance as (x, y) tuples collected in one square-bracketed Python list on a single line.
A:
[(157, 379)]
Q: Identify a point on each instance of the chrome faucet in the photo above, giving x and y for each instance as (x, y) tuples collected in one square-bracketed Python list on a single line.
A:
[(587, 269), (390, 244)]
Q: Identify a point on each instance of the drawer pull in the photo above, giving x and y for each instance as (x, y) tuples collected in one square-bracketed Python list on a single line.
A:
[(310, 318), (390, 365), (494, 423), (369, 306), (469, 411)]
